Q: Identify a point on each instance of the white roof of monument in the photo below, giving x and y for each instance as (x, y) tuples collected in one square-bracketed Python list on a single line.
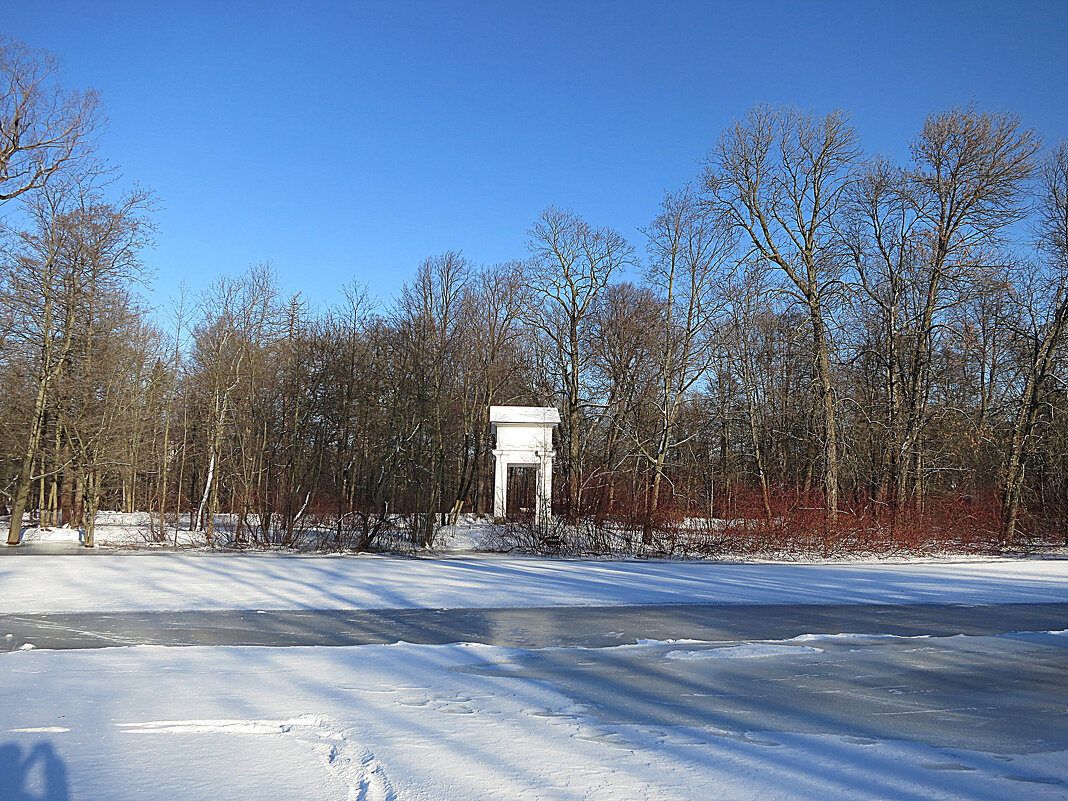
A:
[(525, 415)]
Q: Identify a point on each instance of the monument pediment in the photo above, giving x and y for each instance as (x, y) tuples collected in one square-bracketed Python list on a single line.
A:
[(525, 415)]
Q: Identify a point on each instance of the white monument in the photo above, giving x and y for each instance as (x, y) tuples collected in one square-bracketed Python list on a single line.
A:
[(524, 437)]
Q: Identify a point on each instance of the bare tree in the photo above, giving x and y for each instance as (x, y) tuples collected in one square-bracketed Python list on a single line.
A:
[(965, 189), (42, 127), (102, 394), (430, 321), (168, 411), (881, 234), (625, 342), (780, 176), (690, 262), (749, 302), (238, 314), (492, 366), (571, 264), (79, 254), (1048, 306)]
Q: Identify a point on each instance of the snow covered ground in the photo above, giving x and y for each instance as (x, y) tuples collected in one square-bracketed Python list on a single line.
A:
[(128, 581), (117, 530), (466, 722), (829, 717), (139, 530)]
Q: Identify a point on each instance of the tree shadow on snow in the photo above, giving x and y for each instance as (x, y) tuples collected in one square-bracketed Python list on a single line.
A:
[(37, 775)]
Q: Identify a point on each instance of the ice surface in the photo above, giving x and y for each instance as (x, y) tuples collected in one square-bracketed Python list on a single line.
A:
[(750, 650)]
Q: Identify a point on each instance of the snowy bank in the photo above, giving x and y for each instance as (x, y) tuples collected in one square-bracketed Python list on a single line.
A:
[(177, 581)]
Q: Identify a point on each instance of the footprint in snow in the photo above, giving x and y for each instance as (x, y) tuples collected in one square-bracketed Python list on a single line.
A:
[(456, 709), (596, 735), (413, 701)]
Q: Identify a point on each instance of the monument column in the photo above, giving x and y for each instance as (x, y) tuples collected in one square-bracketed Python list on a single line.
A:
[(500, 486)]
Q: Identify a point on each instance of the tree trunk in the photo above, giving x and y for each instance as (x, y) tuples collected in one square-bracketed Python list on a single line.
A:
[(202, 508), (574, 487), (29, 456), (90, 504), (827, 412)]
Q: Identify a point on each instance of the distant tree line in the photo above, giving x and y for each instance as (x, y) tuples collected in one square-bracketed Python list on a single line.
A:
[(808, 344)]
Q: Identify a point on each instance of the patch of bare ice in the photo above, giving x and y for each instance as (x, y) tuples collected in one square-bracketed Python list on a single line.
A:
[(749, 650)]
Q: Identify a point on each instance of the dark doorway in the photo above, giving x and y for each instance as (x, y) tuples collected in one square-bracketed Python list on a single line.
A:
[(522, 490)]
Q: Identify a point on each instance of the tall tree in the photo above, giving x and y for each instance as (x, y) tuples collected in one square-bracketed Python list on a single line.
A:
[(238, 315), (493, 365), (780, 175), (690, 250), (430, 323), (80, 252), (1048, 307), (965, 189), (571, 264)]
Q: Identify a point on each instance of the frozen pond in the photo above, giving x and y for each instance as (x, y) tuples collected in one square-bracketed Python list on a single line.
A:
[(792, 702), (524, 628), (945, 675), (1001, 694)]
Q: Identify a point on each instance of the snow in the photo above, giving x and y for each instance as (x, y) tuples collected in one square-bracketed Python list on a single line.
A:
[(462, 721), (61, 534), (399, 722), (120, 530), (128, 530), (468, 535), (181, 581)]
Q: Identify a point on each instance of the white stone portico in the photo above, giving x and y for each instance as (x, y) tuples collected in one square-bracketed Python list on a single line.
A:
[(524, 437)]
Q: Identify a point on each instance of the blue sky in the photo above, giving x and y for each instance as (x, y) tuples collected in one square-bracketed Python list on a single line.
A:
[(348, 141)]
